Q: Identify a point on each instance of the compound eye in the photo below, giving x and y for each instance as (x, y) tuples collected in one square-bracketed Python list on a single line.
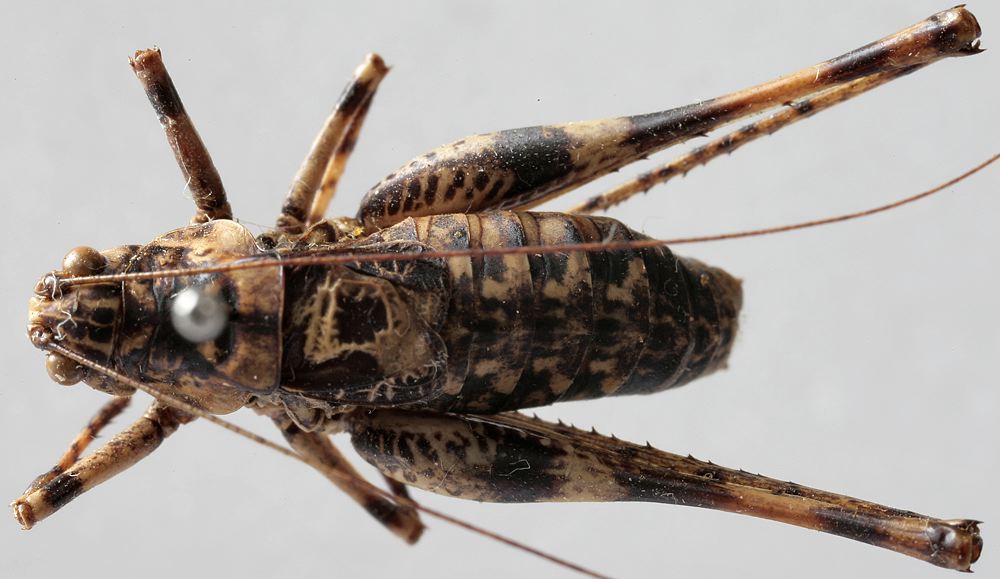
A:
[(83, 261), (63, 370), (198, 316)]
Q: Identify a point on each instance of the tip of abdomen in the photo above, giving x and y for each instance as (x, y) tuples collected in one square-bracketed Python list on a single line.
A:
[(716, 300)]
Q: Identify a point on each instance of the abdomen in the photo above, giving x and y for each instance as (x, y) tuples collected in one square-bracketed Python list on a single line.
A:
[(527, 330)]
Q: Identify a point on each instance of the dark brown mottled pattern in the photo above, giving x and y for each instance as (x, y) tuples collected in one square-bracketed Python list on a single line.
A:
[(502, 326), (513, 458), (353, 338), (620, 289), (83, 316), (245, 358), (621, 323), (524, 330)]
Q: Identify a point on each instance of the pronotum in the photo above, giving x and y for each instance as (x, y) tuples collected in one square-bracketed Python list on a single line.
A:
[(699, 385)]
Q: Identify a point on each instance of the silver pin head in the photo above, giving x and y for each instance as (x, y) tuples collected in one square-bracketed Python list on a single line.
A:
[(197, 315)]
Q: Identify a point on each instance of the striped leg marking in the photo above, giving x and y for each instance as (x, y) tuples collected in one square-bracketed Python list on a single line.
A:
[(794, 112), (104, 416), (124, 450), (332, 146), (192, 156), (511, 458)]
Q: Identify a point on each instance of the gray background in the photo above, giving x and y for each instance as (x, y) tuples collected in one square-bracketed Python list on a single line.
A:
[(865, 363)]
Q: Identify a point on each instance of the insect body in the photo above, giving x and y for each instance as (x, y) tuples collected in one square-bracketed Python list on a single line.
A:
[(504, 332), (417, 325)]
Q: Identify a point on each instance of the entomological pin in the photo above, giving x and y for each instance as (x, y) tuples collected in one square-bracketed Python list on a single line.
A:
[(421, 325)]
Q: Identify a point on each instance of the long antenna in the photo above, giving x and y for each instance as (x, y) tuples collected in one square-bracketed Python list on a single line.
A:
[(327, 259)]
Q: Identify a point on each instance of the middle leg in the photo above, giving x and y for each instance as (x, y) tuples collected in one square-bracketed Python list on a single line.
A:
[(401, 520), (331, 147)]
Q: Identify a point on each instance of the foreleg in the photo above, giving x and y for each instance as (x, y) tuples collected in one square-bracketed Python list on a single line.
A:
[(121, 452), (514, 458), (105, 415)]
